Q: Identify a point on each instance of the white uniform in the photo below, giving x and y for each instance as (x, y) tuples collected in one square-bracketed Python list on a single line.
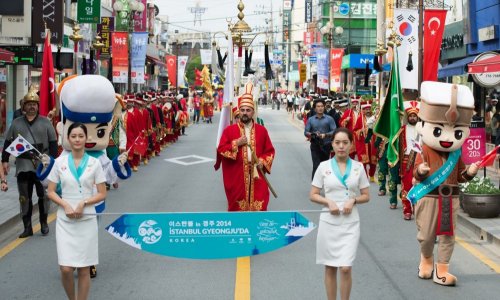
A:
[(338, 236), (76, 239)]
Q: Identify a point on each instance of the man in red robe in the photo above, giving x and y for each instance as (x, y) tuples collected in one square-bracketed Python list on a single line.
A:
[(246, 189), (348, 120), (366, 150), (132, 130)]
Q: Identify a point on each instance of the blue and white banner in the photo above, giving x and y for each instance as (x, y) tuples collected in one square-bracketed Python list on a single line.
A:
[(138, 49), (210, 235), (323, 70)]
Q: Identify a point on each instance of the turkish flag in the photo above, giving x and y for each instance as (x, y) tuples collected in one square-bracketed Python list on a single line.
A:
[(140, 146), (489, 158), (171, 61), (47, 86), (434, 23)]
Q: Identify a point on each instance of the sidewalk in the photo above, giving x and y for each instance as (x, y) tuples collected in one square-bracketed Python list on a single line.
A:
[(486, 230)]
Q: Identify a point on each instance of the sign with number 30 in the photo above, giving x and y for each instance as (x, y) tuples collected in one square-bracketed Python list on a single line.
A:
[(474, 146)]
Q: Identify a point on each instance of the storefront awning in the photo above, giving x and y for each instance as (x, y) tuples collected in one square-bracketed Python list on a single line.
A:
[(489, 65), (456, 68), (6, 56), (157, 61)]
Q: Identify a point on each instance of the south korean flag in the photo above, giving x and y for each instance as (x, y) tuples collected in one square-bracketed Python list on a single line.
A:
[(406, 27), (19, 146)]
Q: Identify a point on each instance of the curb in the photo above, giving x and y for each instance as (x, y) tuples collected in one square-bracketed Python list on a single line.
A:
[(479, 232)]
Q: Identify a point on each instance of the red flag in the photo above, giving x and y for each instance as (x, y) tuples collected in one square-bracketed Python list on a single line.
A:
[(171, 61), (141, 146), (197, 80), (489, 158), (47, 86), (434, 23)]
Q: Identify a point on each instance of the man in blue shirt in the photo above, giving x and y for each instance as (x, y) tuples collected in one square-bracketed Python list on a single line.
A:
[(319, 130)]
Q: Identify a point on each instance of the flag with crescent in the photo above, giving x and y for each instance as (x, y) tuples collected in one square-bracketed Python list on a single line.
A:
[(47, 87), (434, 23), (171, 61), (406, 26)]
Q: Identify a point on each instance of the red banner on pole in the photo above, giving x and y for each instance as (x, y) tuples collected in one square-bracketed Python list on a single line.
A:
[(120, 56), (171, 61), (47, 86), (336, 56), (434, 23)]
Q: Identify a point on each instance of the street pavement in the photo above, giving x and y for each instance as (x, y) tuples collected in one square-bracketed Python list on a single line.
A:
[(385, 267)]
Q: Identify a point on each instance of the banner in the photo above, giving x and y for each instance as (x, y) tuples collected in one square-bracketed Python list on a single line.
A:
[(120, 56), (171, 62), (302, 72), (323, 73), (138, 56), (210, 235), (121, 17), (474, 146), (206, 56), (50, 12), (106, 27), (228, 98), (308, 11), (336, 56), (140, 19), (406, 25), (89, 11), (434, 23), (181, 63)]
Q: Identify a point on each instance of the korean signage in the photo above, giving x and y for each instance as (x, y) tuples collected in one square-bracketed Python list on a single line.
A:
[(355, 10), (357, 61), (487, 79), (120, 56), (308, 11), (302, 72), (105, 28), (121, 16), (474, 147), (89, 11), (323, 72), (50, 12), (336, 68), (287, 4), (488, 33), (287, 15), (221, 235), (138, 49), (140, 19)]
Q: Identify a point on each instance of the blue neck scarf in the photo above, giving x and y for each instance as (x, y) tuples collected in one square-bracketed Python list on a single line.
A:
[(77, 172), (336, 171)]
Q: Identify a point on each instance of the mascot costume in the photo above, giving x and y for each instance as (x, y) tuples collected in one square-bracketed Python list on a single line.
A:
[(445, 113)]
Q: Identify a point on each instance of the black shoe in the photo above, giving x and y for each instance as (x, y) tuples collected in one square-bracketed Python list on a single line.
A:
[(45, 228), (26, 233), (93, 272)]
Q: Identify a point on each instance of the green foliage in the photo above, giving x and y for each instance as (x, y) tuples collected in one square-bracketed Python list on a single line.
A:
[(194, 63), (479, 186)]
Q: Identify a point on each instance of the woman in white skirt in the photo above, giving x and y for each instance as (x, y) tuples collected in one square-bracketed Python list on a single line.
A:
[(345, 186), (76, 227)]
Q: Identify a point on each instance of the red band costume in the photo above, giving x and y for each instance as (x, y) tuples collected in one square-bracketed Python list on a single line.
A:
[(367, 152)]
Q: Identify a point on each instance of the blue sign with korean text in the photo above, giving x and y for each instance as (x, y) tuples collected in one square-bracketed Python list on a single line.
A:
[(138, 50), (359, 61), (211, 235)]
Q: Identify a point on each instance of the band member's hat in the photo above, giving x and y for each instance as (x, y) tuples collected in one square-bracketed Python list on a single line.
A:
[(446, 103), (87, 98), (247, 98), (411, 107)]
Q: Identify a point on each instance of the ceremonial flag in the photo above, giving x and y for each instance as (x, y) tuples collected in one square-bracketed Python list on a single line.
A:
[(406, 25), (171, 69), (47, 86), (489, 158), (19, 146), (141, 146), (388, 125), (182, 61), (434, 21), (225, 115)]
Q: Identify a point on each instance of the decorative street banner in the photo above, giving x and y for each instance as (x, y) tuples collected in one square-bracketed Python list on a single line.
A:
[(181, 63), (336, 56), (120, 56), (210, 235), (308, 11), (206, 56), (122, 16), (106, 27), (323, 72), (434, 23), (140, 19), (89, 11), (50, 12), (138, 49), (171, 62), (474, 146), (406, 25)]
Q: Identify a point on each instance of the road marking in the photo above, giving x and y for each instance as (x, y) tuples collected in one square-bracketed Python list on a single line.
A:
[(478, 254), (15, 243), (242, 282), (189, 160)]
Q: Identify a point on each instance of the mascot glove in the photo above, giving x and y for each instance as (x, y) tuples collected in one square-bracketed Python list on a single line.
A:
[(122, 158), (45, 160)]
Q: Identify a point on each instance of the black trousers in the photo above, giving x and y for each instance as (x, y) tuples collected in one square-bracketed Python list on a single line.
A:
[(25, 183), (319, 154)]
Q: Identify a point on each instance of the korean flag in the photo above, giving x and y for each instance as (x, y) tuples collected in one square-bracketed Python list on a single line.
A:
[(19, 146)]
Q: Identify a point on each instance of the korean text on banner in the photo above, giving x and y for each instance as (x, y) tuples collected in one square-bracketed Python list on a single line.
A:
[(336, 56), (89, 11), (406, 25), (120, 56), (323, 71), (138, 56), (140, 20), (434, 23), (41, 10), (107, 26), (171, 61)]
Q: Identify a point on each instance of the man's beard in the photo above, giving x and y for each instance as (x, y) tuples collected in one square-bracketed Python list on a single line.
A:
[(245, 119)]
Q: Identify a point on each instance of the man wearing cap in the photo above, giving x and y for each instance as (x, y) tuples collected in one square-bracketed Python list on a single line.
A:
[(146, 125), (348, 120), (246, 151), (132, 127), (365, 149), (332, 111), (445, 113), (40, 133)]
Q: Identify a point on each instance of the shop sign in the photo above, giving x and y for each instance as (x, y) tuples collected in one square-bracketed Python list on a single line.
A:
[(88, 11), (487, 33), (355, 10), (453, 44), (487, 79)]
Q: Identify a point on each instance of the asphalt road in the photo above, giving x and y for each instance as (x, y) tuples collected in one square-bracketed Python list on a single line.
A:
[(385, 268)]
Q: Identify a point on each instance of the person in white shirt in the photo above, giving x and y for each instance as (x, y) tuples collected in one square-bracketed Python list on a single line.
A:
[(346, 185)]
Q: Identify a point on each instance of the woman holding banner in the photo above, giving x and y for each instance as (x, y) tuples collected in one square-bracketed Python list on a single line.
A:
[(76, 227), (346, 185)]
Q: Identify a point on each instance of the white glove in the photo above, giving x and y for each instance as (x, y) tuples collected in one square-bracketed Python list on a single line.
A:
[(122, 158), (45, 160)]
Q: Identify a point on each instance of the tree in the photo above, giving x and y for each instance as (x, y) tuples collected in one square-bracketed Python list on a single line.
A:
[(194, 63)]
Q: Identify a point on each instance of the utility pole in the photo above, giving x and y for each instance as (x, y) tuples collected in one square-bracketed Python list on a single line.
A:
[(330, 38)]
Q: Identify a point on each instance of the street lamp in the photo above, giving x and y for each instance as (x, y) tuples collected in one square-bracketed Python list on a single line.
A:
[(127, 9)]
